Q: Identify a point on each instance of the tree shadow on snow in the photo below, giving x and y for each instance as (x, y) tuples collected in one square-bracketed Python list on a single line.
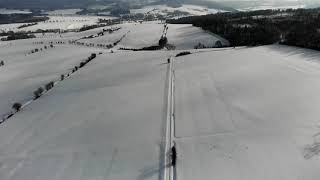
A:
[(149, 172)]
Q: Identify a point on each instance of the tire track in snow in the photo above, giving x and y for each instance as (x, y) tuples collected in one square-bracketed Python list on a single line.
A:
[(169, 173)]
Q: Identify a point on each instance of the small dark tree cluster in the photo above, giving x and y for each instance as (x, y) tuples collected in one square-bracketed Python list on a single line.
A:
[(62, 77), (184, 53), (27, 25), (163, 41), (41, 49), (75, 69), (86, 27), (17, 106), (90, 58), (18, 35), (1, 63), (37, 93), (49, 86)]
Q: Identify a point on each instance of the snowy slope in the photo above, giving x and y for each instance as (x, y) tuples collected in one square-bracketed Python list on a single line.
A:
[(186, 8), (239, 113), (248, 113), (187, 37), (23, 74), (99, 124), (141, 35), (62, 22)]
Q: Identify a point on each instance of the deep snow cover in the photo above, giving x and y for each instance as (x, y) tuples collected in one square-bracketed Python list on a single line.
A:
[(239, 113)]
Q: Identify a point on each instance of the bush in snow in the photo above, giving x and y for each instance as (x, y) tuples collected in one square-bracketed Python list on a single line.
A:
[(49, 85), (62, 77), (163, 41), (82, 64), (1, 63), (38, 93), (199, 46), (218, 44), (183, 53), (16, 106)]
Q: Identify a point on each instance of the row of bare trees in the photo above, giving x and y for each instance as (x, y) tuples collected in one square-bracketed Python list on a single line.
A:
[(17, 106)]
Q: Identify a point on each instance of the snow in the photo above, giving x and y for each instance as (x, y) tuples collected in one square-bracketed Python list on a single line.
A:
[(187, 37), (164, 9), (65, 22), (89, 127), (23, 74), (142, 35), (239, 113), (271, 6), (248, 114), (63, 12)]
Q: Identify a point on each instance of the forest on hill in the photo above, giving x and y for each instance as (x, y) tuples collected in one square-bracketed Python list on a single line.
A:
[(299, 27)]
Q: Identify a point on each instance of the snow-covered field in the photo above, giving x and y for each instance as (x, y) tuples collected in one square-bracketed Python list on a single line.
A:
[(187, 8), (248, 113), (188, 36), (142, 35), (23, 74), (239, 113), (65, 22), (90, 126), (63, 12)]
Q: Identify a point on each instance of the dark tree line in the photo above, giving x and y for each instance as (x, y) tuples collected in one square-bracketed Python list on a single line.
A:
[(18, 35), (292, 27), (21, 18)]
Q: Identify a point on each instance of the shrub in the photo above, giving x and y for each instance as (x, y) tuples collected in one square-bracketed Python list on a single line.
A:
[(40, 89), (163, 41), (82, 64), (62, 77), (49, 85), (183, 53), (16, 106), (38, 93), (1, 63)]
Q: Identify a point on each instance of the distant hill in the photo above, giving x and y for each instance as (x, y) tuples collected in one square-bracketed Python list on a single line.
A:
[(45, 4), (56, 4)]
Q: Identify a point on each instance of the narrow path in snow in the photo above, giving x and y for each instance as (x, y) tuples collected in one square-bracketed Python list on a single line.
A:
[(170, 172)]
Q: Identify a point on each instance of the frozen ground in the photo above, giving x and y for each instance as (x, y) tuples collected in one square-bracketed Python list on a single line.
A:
[(242, 114)]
